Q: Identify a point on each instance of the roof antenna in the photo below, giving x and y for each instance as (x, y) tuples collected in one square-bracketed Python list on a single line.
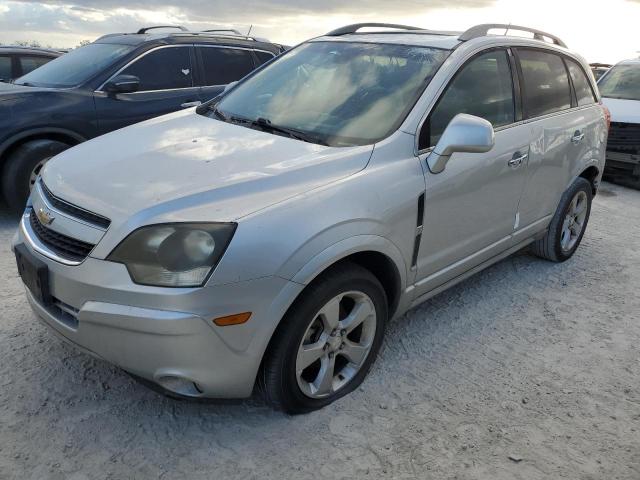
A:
[(249, 32), (507, 29)]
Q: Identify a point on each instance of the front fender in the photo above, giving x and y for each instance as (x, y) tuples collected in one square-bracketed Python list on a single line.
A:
[(349, 246)]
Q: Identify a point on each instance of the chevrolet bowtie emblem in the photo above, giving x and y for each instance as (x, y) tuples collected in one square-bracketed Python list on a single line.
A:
[(45, 216)]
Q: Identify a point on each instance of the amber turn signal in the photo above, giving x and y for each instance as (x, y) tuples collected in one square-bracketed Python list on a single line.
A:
[(236, 319)]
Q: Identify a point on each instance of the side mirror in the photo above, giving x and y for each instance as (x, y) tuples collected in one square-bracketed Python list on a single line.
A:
[(123, 84), (464, 134), (229, 86)]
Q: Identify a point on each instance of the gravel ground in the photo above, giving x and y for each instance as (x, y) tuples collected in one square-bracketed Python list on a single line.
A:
[(528, 370)]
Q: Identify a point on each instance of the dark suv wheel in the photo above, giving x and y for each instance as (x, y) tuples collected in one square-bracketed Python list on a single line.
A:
[(22, 168)]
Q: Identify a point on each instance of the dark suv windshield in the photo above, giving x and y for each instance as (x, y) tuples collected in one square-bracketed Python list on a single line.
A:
[(334, 93), (622, 81), (75, 67)]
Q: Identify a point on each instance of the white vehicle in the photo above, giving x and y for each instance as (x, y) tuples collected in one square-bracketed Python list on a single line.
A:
[(620, 90)]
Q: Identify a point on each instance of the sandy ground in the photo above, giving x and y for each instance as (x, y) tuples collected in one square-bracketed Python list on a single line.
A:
[(529, 359)]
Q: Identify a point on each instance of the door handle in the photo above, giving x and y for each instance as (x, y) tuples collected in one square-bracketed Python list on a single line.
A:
[(518, 159), (191, 104), (577, 137)]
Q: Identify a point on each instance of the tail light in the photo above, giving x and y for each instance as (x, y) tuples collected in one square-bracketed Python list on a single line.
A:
[(607, 115)]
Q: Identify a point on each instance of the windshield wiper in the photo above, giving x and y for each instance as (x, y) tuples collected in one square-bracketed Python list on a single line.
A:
[(218, 113), (266, 125)]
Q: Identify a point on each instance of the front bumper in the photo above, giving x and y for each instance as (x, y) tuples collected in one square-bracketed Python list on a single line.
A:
[(622, 165), (165, 335)]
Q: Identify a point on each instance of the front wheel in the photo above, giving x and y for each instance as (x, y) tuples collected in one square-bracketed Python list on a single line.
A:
[(327, 342), (568, 224)]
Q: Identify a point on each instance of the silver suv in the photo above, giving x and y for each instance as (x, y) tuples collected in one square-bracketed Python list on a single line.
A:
[(268, 236)]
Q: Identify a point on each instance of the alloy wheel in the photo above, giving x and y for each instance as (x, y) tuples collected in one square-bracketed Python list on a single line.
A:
[(574, 221), (336, 344)]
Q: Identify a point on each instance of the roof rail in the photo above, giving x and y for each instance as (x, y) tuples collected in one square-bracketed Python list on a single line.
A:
[(146, 29), (250, 38), (219, 30), (483, 31), (357, 26)]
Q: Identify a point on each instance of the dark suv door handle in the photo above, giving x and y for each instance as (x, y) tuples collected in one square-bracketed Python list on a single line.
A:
[(578, 136), (518, 159), (191, 104)]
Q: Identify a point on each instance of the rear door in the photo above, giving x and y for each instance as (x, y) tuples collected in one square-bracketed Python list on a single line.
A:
[(564, 126), (222, 65), (166, 85)]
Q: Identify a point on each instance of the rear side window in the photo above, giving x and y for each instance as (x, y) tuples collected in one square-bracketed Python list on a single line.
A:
[(225, 65), (163, 69), (5, 68), (483, 87), (546, 83), (30, 63), (581, 84), (263, 57)]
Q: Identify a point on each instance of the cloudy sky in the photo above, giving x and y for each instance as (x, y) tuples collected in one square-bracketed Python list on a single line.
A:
[(602, 30)]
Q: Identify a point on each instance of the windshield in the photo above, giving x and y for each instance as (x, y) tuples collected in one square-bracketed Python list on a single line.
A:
[(334, 93), (622, 81), (75, 67)]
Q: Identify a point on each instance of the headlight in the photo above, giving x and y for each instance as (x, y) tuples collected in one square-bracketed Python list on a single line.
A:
[(173, 255)]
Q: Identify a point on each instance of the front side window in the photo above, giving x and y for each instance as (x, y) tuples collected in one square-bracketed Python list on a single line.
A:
[(483, 87), (622, 82), (30, 63), (584, 93), (5, 67), (546, 83), (163, 69), (338, 93), (75, 67), (225, 65)]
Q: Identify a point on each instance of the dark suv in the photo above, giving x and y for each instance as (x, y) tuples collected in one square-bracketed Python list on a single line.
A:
[(18, 61), (118, 80)]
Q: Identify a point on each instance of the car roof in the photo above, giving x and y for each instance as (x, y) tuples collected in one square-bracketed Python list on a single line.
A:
[(185, 37), (13, 49), (446, 41)]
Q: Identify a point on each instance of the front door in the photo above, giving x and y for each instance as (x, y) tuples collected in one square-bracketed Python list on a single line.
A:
[(471, 207), (166, 85)]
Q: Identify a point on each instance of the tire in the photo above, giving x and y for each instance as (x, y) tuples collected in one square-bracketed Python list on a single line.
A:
[(305, 325), (554, 246), (17, 177)]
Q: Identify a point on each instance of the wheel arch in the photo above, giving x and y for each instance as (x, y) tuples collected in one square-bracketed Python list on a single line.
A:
[(591, 174), (49, 133), (377, 254)]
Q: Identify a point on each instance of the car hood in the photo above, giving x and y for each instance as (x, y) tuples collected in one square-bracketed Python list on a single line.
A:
[(184, 166), (623, 111)]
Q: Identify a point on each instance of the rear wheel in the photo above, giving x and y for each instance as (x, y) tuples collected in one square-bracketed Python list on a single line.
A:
[(568, 224), (22, 168), (327, 342)]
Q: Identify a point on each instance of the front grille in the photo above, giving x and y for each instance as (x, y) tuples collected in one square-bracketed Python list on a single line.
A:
[(624, 138), (77, 212), (66, 247)]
